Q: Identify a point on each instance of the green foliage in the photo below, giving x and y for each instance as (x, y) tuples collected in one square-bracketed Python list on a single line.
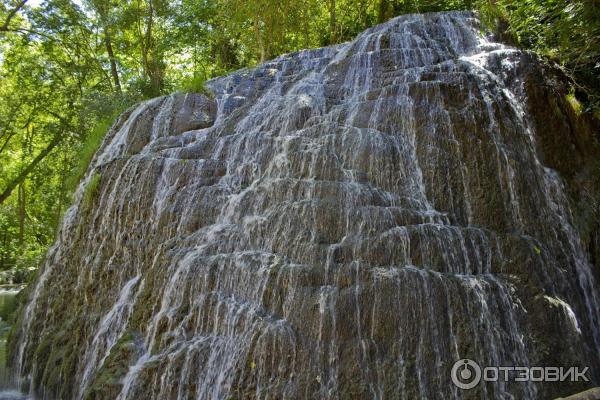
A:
[(8, 306), (567, 32), (68, 68), (87, 151), (8, 309), (195, 84), (91, 190), (87, 148), (574, 103)]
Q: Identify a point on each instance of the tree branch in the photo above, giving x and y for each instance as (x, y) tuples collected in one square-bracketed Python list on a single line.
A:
[(11, 14), (25, 172)]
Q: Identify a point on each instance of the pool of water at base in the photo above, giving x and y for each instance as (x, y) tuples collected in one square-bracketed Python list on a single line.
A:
[(13, 395)]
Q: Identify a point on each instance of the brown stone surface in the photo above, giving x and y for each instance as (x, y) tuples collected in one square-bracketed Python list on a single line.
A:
[(590, 394), (339, 223)]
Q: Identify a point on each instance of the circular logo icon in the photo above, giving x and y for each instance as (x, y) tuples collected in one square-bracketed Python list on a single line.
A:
[(466, 374)]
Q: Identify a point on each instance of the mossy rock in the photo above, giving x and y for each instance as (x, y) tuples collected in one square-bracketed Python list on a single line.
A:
[(56, 355), (108, 382)]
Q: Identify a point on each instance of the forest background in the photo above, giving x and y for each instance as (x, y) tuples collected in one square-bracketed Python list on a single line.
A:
[(68, 68)]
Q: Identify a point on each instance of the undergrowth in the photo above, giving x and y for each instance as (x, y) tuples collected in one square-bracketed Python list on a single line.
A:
[(91, 189), (195, 84), (88, 148)]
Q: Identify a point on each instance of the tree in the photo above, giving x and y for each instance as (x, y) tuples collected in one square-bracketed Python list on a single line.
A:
[(67, 69), (104, 10), (50, 64), (10, 14)]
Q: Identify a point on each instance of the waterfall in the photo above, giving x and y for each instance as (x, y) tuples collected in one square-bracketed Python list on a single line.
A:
[(343, 222)]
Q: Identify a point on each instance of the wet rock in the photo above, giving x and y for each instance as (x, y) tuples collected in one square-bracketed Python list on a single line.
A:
[(344, 222), (590, 394), (194, 111)]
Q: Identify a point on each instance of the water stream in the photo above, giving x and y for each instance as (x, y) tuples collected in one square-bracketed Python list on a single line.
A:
[(344, 222), (8, 390)]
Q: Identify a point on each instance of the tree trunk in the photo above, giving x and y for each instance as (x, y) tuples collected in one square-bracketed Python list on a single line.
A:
[(21, 203), (11, 15), (259, 40), (113, 61), (382, 12), (332, 22), (151, 62), (21, 177), (3, 251)]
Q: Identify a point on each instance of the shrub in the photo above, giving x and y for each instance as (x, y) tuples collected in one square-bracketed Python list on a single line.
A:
[(195, 84), (91, 190)]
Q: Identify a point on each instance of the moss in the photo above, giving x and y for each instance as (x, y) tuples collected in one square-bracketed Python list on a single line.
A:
[(574, 103), (12, 338), (107, 383), (91, 190), (92, 143), (495, 18), (8, 307), (56, 355)]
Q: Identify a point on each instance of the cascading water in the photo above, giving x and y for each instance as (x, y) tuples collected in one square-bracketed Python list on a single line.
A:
[(344, 222)]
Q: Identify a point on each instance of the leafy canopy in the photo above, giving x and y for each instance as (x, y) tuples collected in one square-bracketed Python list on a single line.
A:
[(67, 68)]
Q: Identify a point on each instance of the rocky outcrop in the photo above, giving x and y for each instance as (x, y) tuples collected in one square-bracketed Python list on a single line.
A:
[(344, 222), (591, 394)]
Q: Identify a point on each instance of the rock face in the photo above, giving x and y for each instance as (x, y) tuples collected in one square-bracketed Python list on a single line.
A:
[(341, 223), (591, 394)]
